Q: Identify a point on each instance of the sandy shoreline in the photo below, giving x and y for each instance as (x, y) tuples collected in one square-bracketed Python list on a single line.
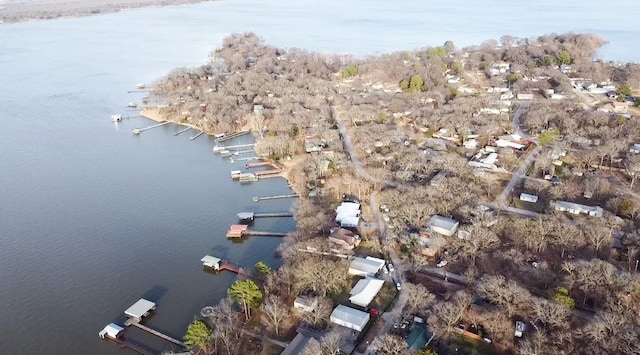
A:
[(12, 11)]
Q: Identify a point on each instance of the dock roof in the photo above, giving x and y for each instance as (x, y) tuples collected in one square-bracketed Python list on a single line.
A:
[(140, 308), (210, 260)]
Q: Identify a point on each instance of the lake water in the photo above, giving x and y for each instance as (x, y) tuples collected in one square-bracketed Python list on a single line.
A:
[(93, 218)]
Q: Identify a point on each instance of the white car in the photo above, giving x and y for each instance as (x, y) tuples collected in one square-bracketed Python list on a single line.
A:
[(442, 263), (398, 286)]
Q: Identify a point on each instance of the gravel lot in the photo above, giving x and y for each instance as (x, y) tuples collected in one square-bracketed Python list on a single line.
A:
[(24, 10)]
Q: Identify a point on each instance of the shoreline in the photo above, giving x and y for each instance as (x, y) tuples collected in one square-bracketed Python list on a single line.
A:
[(153, 113), (16, 11)]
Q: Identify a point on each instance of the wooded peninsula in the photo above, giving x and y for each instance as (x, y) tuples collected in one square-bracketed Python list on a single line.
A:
[(495, 184)]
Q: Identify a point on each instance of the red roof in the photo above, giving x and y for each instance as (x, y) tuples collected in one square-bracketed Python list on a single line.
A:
[(238, 227)]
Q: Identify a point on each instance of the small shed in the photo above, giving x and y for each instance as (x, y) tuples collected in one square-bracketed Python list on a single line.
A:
[(349, 317), (528, 197), (211, 261), (112, 331), (305, 303), (140, 309), (443, 225)]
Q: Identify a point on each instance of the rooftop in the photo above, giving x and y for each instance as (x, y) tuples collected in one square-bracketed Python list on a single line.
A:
[(140, 308), (365, 290)]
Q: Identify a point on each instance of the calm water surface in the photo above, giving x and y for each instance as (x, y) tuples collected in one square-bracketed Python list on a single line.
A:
[(93, 218)]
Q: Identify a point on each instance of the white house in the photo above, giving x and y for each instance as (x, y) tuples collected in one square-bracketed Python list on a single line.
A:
[(576, 208), (528, 197), (349, 317), (525, 96), (368, 266), (443, 225), (305, 303), (365, 290)]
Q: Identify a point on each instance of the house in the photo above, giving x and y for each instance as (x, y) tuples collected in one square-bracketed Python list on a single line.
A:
[(608, 108), (635, 148), (620, 107), (301, 345), (443, 225), (305, 303), (344, 238), (525, 97), (348, 214), (528, 197), (365, 290), (431, 243), (349, 317), (366, 267), (576, 208)]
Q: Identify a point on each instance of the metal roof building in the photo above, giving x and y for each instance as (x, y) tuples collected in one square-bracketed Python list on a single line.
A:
[(365, 290), (140, 309), (365, 266), (350, 317)]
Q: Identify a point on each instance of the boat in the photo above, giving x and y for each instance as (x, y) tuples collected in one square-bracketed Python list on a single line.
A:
[(136, 131), (141, 85), (132, 104), (116, 118)]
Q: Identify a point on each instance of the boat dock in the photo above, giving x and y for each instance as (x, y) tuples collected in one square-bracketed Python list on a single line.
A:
[(218, 264), (219, 148), (229, 136), (267, 172), (255, 165), (196, 136), (257, 199), (250, 216), (141, 309), (140, 130), (136, 323), (237, 231), (182, 131)]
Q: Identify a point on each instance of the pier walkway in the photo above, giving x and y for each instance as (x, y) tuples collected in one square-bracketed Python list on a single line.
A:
[(232, 136), (136, 323), (140, 130), (249, 216), (182, 131), (129, 344), (196, 136), (257, 198)]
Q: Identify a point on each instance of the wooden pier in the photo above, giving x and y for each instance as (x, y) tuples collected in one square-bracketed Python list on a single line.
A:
[(136, 323), (196, 136), (182, 131), (237, 231), (219, 148), (265, 173), (250, 216), (257, 199), (232, 136), (140, 130), (255, 165)]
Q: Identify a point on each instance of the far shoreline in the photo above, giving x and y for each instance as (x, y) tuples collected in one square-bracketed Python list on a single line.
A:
[(18, 11)]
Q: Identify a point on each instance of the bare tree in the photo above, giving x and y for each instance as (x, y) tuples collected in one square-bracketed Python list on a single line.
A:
[(391, 345), (418, 298), (320, 275), (319, 317), (275, 312), (505, 293)]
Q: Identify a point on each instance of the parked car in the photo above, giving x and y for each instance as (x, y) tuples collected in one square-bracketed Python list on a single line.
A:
[(374, 312), (390, 267), (442, 263), (398, 286)]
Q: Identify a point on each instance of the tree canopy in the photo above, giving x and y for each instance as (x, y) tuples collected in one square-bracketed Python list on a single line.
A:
[(247, 294), (198, 336)]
